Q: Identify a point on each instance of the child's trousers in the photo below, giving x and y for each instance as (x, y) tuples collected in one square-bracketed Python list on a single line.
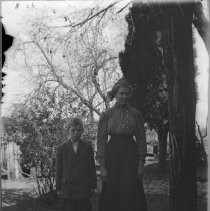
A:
[(77, 205)]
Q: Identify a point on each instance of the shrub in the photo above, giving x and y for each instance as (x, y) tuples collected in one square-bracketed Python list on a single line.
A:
[(38, 128)]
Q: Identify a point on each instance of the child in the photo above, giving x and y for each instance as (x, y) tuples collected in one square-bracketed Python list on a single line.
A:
[(75, 170)]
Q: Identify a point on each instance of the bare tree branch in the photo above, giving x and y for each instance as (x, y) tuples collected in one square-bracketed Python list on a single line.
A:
[(62, 83), (123, 8), (81, 57), (89, 17), (199, 131), (97, 86), (203, 152)]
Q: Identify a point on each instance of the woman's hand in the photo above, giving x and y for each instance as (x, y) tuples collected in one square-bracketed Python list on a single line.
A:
[(141, 169), (103, 173)]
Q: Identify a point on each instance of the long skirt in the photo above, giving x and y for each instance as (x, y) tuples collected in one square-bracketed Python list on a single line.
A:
[(76, 205), (123, 190)]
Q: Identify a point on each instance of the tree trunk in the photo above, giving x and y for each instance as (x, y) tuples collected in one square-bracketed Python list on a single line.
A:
[(91, 117), (162, 138), (176, 25), (181, 92)]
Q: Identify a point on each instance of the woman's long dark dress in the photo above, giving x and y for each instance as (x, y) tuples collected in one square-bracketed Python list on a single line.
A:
[(123, 190)]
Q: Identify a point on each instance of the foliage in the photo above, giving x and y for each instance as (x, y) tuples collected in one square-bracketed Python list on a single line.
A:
[(151, 137), (39, 127), (73, 64), (74, 50), (142, 63)]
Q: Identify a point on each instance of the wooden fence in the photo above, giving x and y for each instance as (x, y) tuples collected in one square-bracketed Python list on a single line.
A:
[(10, 157)]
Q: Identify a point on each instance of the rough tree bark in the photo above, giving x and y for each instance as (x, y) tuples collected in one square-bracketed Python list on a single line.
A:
[(162, 138), (175, 21), (176, 25), (182, 101)]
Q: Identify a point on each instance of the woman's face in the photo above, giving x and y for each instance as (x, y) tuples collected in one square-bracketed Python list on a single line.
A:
[(123, 95)]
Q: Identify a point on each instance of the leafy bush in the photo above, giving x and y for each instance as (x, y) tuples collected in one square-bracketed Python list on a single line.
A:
[(38, 128)]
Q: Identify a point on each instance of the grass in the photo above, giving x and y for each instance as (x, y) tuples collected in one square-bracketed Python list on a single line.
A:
[(20, 196)]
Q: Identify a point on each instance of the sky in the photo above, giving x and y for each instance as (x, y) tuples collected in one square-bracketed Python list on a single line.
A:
[(17, 83)]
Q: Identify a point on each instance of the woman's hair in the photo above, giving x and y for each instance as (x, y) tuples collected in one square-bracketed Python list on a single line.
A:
[(121, 83), (74, 121)]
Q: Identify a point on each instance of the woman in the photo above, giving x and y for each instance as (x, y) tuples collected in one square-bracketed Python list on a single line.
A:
[(121, 147)]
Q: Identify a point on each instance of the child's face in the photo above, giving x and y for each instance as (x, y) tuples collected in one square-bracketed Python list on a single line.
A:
[(75, 133)]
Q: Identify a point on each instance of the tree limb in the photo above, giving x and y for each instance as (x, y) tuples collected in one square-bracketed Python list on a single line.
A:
[(97, 86), (123, 8), (89, 17), (63, 84)]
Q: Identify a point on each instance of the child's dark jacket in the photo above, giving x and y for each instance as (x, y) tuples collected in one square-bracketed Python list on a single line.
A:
[(75, 172)]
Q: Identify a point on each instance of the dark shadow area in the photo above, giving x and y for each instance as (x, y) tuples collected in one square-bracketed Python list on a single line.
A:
[(159, 202), (152, 171), (15, 196), (156, 185), (202, 173), (17, 199)]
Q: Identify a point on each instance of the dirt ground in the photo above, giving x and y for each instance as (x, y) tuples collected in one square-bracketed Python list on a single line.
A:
[(21, 195)]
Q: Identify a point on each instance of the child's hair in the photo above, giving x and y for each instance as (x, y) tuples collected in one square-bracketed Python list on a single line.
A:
[(74, 121)]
